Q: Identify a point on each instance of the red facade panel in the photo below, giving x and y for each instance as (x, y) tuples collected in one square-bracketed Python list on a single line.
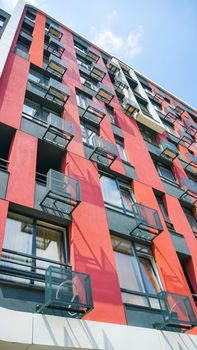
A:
[(37, 45)]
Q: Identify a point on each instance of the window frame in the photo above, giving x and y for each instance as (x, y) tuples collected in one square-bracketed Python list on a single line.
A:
[(169, 168), (149, 256), (120, 143)]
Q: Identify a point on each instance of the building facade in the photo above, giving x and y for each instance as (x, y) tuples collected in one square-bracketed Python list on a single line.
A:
[(98, 197)]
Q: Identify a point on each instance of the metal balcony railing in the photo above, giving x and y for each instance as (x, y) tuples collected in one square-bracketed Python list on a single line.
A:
[(97, 71), (56, 66), (192, 160), (92, 54), (148, 223), (103, 149), (177, 311), (63, 290), (4, 164), (129, 106), (59, 131), (62, 193), (120, 84), (57, 92), (55, 31), (190, 190), (55, 46), (168, 150), (179, 109), (113, 67), (185, 139), (191, 127), (93, 109), (171, 115), (104, 93)]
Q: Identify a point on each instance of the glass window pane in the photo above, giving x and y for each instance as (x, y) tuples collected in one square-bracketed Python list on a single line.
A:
[(90, 135), (31, 108), (166, 173), (127, 199), (48, 245), (134, 299), (18, 238), (149, 275), (122, 152), (110, 191), (127, 267)]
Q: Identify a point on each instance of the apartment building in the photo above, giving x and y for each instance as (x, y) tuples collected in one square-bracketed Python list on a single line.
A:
[(98, 197)]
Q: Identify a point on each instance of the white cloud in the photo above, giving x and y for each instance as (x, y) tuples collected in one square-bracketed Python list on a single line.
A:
[(9, 5), (129, 46)]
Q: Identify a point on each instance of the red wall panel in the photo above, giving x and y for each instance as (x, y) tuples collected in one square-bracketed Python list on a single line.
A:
[(91, 248), (12, 90), (37, 45), (3, 215), (22, 168)]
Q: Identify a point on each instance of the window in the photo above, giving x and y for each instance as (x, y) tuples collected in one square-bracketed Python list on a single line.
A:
[(81, 100), (148, 135), (163, 209), (111, 115), (38, 78), (191, 219), (23, 47), (27, 236), (2, 20), (30, 15), (165, 172), (79, 47), (87, 82), (121, 150), (83, 63), (36, 111), (117, 195), (88, 133), (169, 129), (138, 278)]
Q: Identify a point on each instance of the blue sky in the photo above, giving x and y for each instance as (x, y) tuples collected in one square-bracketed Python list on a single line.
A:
[(156, 37)]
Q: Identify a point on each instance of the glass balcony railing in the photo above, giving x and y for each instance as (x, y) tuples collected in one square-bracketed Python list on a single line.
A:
[(104, 151), (192, 160), (185, 139), (56, 66), (104, 93), (190, 190), (92, 54), (191, 127), (171, 115), (113, 68), (63, 291), (177, 312), (129, 106), (62, 194), (120, 84), (168, 150), (59, 131), (55, 46), (57, 92), (148, 224), (55, 31), (93, 112), (179, 110), (97, 72)]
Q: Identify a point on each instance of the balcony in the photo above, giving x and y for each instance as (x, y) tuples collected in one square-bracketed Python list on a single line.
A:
[(190, 190), (191, 127), (192, 161), (104, 93), (62, 292), (104, 151), (179, 110), (4, 176), (55, 32), (59, 131), (148, 224), (171, 115), (120, 85), (132, 82), (92, 54), (27, 22), (168, 150), (159, 96), (113, 68), (129, 107), (62, 194), (177, 312), (55, 46), (97, 72), (67, 290), (56, 66), (93, 112), (57, 92), (25, 36), (185, 139)]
